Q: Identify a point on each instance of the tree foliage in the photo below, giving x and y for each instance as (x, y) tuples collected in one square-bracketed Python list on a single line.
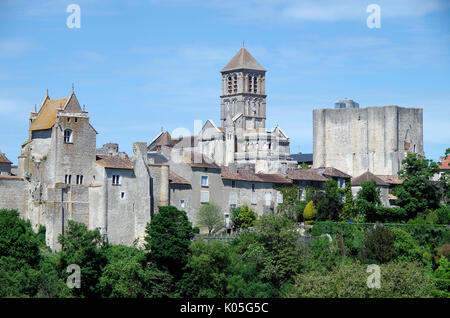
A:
[(210, 216), (243, 217), (168, 238), (417, 194)]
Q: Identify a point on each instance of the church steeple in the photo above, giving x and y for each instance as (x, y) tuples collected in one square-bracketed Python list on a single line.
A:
[(243, 90)]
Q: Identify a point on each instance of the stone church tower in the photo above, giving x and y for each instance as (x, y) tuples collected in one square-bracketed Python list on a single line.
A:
[(243, 91)]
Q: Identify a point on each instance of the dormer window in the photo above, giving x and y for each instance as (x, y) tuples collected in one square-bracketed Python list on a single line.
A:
[(68, 136), (115, 179)]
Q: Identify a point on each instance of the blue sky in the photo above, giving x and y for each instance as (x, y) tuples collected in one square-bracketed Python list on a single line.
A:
[(142, 65)]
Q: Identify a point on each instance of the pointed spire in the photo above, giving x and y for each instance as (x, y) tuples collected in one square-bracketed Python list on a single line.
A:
[(47, 93), (84, 107), (243, 60), (72, 88), (35, 108)]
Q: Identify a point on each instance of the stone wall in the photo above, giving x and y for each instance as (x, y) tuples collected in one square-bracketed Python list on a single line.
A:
[(12, 193), (375, 139)]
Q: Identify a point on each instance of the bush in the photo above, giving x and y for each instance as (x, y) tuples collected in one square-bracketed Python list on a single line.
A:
[(349, 280), (443, 214), (243, 217), (310, 211), (378, 245), (210, 215), (385, 214), (406, 247)]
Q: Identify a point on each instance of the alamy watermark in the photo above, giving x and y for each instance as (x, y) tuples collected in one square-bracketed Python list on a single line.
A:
[(74, 19), (374, 19), (74, 279), (374, 279)]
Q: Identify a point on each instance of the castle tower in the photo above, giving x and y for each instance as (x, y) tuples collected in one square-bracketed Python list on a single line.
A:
[(243, 91)]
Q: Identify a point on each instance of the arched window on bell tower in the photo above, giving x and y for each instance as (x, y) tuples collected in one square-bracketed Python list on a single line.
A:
[(229, 84)]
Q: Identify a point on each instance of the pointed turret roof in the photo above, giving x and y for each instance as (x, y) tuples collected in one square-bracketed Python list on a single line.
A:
[(243, 60)]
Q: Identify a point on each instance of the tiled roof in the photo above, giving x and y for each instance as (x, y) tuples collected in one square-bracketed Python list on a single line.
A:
[(332, 172), (368, 176), (445, 164), (47, 114), (114, 162), (199, 161), (176, 179), (390, 179), (3, 158), (246, 175), (10, 177), (306, 175), (243, 60), (392, 197)]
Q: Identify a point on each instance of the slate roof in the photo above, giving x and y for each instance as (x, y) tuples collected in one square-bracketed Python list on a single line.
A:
[(157, 157), (3, 158), (114, 162), (176, 179), (47, 114), (243, 60), (302, 157), (368, 176)]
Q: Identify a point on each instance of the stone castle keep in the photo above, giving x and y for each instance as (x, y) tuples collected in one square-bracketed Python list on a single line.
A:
[(62, 175)]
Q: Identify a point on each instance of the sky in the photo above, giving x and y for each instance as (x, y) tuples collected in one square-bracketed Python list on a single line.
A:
[(140, 66)]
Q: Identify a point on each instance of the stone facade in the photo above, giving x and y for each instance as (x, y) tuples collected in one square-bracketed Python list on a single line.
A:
[(62, 176), (375, 139)]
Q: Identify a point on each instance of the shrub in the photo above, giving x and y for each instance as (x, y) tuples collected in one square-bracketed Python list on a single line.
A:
[(443, 214), (310, 211), (405, 246), (243, 217), (349, 280), (210, 215), (378, 245), (385, 214)]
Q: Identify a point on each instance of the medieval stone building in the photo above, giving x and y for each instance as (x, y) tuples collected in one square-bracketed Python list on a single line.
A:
[(374, 139)]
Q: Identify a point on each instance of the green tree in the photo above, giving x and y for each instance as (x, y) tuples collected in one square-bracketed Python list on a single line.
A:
[(168, 238), (206, 271), (349, 210), (417, 194), (329, 202), (84, 248), (210, 216), (126, 275), (378, 245), (290, 206), (243, 217), (367, 200), (445, 182)]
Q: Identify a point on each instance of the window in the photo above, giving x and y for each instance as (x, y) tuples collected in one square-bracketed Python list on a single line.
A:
[(115, 179), (204, 196), (67, 178), (76, 119), (181, 204), (233, 184), (280, 198), (67, 136), (227, 220), (253, 187), (254, 199), (233, 198), (122, 195), (204, 181), (341, 183), (79, 179), (68, 120), (268, 199)]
